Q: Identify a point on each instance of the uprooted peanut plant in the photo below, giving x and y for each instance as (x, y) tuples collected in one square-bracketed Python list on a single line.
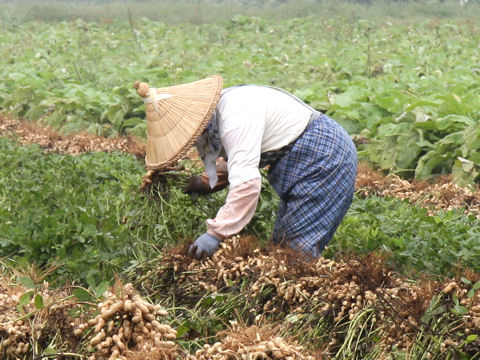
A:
[(251, 302)]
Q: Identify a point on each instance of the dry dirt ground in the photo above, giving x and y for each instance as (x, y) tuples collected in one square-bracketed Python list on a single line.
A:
[(441, 193)]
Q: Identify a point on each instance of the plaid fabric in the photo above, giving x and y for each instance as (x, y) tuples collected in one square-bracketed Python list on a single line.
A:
[(271, 157), (315, 182)]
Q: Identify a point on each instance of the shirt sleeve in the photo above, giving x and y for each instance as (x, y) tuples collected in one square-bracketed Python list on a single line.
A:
[(238, 210), (241, 134)]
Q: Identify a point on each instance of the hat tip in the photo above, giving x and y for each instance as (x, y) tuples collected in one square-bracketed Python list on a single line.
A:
[(142, 88)]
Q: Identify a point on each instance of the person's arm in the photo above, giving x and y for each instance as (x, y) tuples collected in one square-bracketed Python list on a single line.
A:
[(231, 218), (200, 184), (238, 210), (242, 135)]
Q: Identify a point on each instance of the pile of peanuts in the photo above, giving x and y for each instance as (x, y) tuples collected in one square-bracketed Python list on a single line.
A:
[(22, 322), (325, 286), (128, 323), (15, 334), (253, 344), (468, 297), (444, 194)]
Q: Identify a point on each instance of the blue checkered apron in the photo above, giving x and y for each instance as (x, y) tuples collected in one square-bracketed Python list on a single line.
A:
[(315, 181)]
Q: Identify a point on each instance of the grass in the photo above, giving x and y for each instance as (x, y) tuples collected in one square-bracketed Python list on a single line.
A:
[(67, 210), (204, 11)]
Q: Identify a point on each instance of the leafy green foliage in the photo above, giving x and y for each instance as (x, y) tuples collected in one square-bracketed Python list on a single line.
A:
[(416, 241), (67, 209), (412, 90), (87, 214)]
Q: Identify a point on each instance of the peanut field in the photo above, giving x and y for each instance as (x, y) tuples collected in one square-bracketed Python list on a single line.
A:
[(93, 261)]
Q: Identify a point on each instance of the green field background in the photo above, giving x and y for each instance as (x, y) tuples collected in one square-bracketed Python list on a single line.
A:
[(402, 77), (406, 88)]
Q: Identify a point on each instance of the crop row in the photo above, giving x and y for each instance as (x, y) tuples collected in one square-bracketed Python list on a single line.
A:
[(87, 212), (408, 92)]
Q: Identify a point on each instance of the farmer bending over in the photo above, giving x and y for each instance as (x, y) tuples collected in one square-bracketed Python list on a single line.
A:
[(312, 160)]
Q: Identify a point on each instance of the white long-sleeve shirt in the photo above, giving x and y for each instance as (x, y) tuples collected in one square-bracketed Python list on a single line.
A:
[(252, 120)]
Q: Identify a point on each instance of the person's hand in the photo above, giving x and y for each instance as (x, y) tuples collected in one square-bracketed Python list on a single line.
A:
[(206, 243), (200, 185)]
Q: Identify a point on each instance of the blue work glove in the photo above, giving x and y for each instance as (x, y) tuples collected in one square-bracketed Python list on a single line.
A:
[(206, 243)]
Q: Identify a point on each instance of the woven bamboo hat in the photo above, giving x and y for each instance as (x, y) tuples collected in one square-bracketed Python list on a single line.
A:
[(176, 117)]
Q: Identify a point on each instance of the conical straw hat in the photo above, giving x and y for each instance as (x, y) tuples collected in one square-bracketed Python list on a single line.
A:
[(176, 117)]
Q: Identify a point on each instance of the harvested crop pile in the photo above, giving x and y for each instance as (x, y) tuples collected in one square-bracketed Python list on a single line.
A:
[(442, 194), (254, 342), (32, 318), (362, 291), (52, 141), (127, 326)]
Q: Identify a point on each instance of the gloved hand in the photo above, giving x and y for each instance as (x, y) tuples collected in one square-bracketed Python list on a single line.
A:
[(206, 243)]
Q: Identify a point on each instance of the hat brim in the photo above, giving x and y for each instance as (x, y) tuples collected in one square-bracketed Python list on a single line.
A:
[(176, 117)]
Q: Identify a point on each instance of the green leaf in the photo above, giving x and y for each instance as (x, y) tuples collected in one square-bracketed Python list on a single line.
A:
[(36, 112), (82, 294), (476, 286), (27, 282), (39, 304), (74, 312), (464, 171), (182, 329), (25, 298), (459, 310), (101, 288), (471, 338), (292, 318), (208, 301), (49, 350)]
